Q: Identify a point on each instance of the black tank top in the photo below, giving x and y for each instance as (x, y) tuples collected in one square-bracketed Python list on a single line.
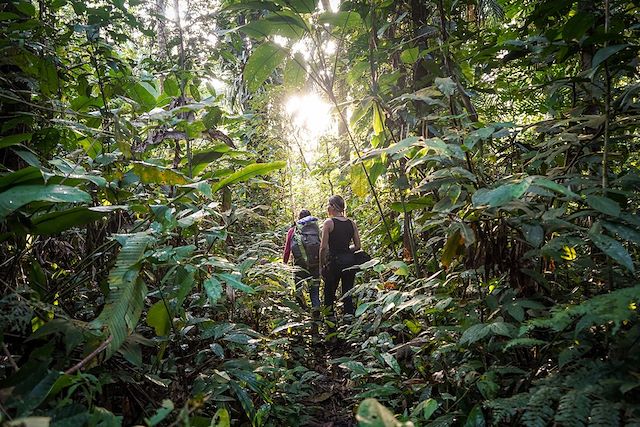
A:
[(341, 236)]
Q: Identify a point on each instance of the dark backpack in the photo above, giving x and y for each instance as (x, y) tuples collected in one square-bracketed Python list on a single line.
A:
[(305, 244)]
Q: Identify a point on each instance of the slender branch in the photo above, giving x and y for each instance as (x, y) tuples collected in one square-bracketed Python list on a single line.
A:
[(89, 357)]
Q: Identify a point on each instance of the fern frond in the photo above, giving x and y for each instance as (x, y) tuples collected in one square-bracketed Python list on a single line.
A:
[(604, 414), (574, 409), (612, 307), (505, 409), (541, 407), (127, 292)]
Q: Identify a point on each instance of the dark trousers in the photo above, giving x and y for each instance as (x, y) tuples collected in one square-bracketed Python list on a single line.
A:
[(303, 277), (332, 277)]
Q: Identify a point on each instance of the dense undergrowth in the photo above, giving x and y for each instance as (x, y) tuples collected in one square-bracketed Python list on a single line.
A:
[(487, 149)]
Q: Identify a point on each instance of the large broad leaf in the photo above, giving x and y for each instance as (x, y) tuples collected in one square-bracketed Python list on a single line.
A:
[(8, 141), (604, 205), (298, 6), (158, 318), (341, 20), (201, 159), (446, 85), (143, 93), (234, 281), (500, 196), (372, 413), (249, 172), (552, 185), (28, 175), (125, 301), (613, 249), (410, 56), (455, 242), (21, 195), (253, 5), (604, 53), (56, 222), (285, 24), (359, 183), (154, 174), (295, 74), (213, 288), (261, 64)]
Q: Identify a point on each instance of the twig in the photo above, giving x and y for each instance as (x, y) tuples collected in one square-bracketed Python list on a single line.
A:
[(10, 357), (91, 356)]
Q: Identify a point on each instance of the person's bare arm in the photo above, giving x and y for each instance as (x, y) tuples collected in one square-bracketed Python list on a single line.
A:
[(327, 228), (356, 237)]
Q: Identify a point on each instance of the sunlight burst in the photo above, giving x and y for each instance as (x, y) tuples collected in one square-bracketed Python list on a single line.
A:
[(310, 115)]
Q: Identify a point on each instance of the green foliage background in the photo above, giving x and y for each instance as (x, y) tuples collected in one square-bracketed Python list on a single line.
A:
[(487, 149)]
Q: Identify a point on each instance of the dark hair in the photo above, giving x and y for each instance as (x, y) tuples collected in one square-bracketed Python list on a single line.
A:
[(304, 213), (337, 203)]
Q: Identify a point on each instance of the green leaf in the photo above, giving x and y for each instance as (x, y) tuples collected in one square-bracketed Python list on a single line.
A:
[(248, 172), (627, 233), (577, 26), (125, 301), (378, 119), (21, 195), (233, 280), (158, 318), (372, 413), (454, 243), (221, 418), (501, 195), (604, 53), (474, 333), (342, 20), (8, 141), (142, 93), (533, 233), (264, 59), (362, 308), (28, 175), (295, 74), (162, 413), (554, 186), (604, 205), (213, 288), (201, 159), (441, 147), (171, 87), (354, 366), (298, 6), (410, 56), (38, 393), (154, 174), (252, 5), (427, 408), (56, 222), (446, 85), (475, 417), (392, 362), (283, 23), (613, 249)]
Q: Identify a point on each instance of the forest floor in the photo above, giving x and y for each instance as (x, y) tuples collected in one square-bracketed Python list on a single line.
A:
[(333, 399)]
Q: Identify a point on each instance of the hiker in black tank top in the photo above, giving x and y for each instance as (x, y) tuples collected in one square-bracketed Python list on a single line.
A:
[(336, 254)]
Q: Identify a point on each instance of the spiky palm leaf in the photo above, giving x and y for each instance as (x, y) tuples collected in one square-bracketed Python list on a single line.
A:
[(127, 291)]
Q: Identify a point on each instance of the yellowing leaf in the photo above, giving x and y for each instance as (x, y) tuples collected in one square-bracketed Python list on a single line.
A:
[(158, 318), (569, 253)]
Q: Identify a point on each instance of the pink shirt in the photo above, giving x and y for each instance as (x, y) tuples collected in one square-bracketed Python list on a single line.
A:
[(287, 245)]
